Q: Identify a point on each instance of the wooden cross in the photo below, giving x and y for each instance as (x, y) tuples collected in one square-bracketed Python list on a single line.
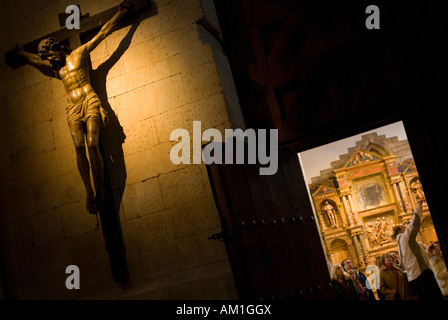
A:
[(111, 138)]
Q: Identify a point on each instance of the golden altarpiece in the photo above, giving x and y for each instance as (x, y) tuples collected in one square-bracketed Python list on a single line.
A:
[(360, 202)]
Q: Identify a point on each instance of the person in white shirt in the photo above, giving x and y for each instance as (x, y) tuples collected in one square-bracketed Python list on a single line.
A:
[(413, 256), (438, 266)]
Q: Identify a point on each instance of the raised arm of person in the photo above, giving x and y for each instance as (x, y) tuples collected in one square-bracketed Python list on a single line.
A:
[(414, 225), (35, 60), (124, 7)]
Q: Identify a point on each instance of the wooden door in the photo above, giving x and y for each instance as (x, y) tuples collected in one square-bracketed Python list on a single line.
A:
[(270, 231)]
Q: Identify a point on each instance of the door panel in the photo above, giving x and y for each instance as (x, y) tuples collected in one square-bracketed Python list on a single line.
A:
[(269, 230)]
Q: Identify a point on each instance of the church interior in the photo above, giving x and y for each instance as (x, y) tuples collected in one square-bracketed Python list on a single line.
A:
[(311, 70), (364, 194)]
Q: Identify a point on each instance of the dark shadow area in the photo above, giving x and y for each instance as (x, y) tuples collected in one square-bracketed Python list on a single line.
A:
[(111, 141)]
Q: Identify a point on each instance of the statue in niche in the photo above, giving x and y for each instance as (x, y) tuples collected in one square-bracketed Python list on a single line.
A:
[(417, 190), (85, 115), (331, 214)]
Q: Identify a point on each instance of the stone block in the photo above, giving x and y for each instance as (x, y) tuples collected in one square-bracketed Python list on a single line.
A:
[(201, 82), (139, 78), (17, 203), (42, 138), (40, 99), (195, 217), (14, 114), (172, 15), (100, 53), (85, 249), (15, 122), (42, 168), (11, 81), (19, 235), (179, 13), (142, 165), (32, 76), (76, 220), (134, 106), (140, 135), (183, 39), (18, 146), (31, 142), (114, 40), (149, 231), (61, 132), (160, 259), (49, 258), (182, 186), (163, 153), (58, 93), (168, 94), (43, 222), (211, 111), (141, 199), (188, 59), (145, 54), (59, 192), (197, 250), (13, 103), (105, 69), (152, 99)]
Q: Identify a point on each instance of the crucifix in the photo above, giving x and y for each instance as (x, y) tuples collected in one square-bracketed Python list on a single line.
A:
[(86, 114)]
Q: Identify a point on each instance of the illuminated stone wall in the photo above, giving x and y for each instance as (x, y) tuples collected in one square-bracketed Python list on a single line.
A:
[(168, 77)]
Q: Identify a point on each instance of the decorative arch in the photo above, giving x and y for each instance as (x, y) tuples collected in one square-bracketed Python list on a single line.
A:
[(338, 244), (414, 181), (339, 250), (379, 148)]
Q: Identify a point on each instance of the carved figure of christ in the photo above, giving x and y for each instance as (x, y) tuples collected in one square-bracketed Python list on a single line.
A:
[(85, 115)]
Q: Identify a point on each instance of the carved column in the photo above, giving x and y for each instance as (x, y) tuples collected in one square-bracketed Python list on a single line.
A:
[(398, 197), (404, 193), (358, 250), (409, 193), (347, 210), (363, 245), (321, 216), (353, 211)]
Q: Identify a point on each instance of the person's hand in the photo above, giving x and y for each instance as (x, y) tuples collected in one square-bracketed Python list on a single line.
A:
[(126, 5), (104, 116)]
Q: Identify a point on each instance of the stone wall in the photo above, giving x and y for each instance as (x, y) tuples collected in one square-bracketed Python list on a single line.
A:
[(165, 78)]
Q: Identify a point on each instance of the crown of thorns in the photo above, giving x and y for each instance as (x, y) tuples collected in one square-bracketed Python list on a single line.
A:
[(46, 45)]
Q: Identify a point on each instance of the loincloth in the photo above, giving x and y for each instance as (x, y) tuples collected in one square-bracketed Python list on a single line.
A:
[(85, 110)]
